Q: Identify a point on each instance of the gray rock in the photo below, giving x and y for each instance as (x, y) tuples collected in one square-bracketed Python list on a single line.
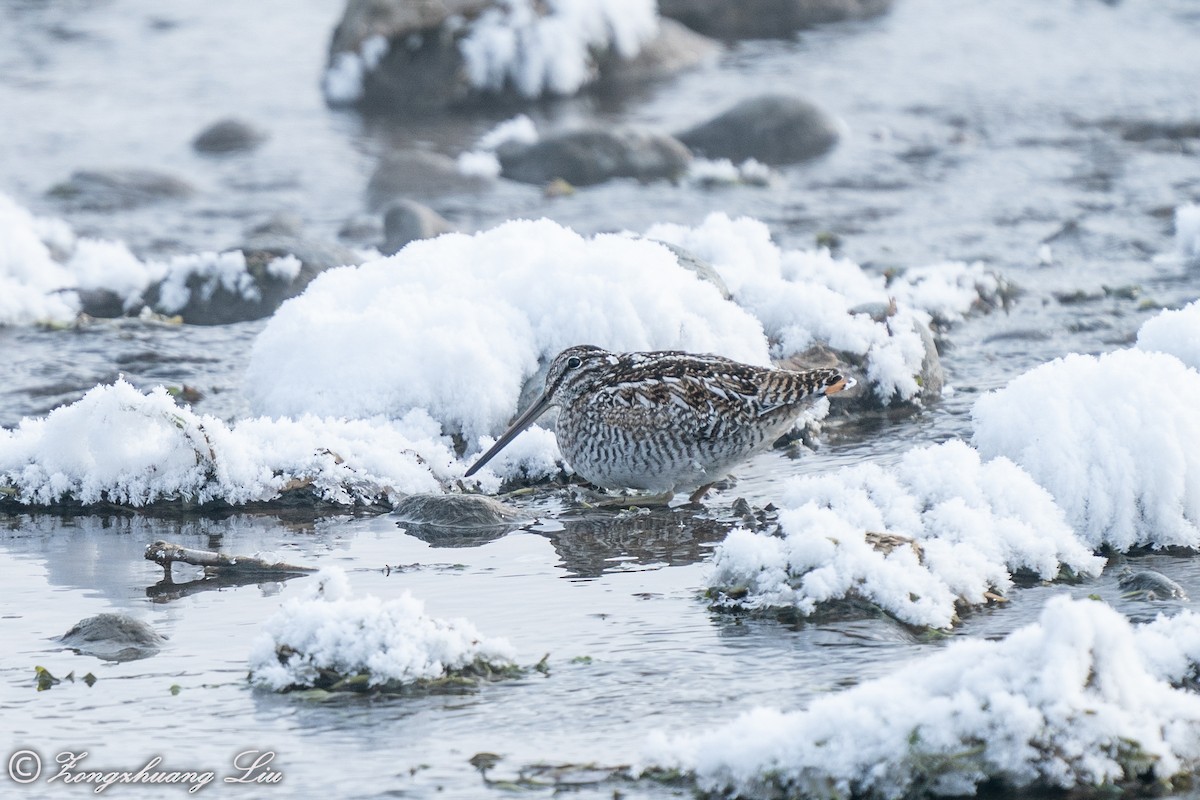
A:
[(422, 73), (587, 157), (418, 173), (774, 129), (362, 229), (117, 189), (1150, 585), (113, 637), (228, 136), (457, 520), (458, 511), (102, 303), (406, 221), (765, 19)]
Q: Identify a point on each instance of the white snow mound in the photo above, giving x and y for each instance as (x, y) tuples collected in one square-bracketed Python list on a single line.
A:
[(940, 528), (1115, 439), (391, 641), (1174, 332), (455, 325), (1080, 699)]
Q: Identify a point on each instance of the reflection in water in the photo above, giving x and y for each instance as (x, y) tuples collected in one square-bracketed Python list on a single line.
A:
[(104, 553), (603, 541), (593, 541)]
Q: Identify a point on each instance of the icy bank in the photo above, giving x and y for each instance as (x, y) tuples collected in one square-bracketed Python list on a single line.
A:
[(1079, 700), (117, 445), (941, 528), (1174, 332), (332, 640), (1115, 439)]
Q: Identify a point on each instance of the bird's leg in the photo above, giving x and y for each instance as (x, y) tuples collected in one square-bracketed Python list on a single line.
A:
[(698, 495)]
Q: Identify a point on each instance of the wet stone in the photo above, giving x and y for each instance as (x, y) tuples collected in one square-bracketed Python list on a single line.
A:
[(773, 129), (765, 19), (118, 189), (113, 637), (407, 221), (457, 511), (1150, 585), (228, 136), (585, 158), (403, 174)]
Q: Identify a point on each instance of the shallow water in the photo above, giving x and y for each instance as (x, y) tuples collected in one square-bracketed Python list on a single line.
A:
[(974, 132)]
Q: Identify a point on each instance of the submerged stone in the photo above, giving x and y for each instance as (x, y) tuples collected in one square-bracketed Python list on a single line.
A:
[(113, 637), (458, 511), (118, 189), (1150, 585)]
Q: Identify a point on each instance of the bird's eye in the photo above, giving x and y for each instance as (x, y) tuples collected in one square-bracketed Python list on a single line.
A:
[(573, 362)]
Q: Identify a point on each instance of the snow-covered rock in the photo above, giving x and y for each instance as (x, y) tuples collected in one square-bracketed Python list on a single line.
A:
[(47, 275), (1079, 700), (940, 528), (1175, 332), (332, 636), (400, 54), (808, 297), (1114, 438)]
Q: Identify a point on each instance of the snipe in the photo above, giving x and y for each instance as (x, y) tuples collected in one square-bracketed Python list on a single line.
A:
[(665, 421)]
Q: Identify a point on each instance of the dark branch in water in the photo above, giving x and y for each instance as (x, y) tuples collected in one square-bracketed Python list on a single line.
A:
[(166, 553)]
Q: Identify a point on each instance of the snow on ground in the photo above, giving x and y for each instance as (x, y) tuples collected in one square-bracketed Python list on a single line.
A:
[(1174, 332), (1115, 439), (807, 297), (118, 445), (548, 47), (43, 266), (940, 528), (1079, 699), (392, 642)]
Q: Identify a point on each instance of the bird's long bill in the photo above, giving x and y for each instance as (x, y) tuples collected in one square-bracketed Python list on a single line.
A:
[(524, 421)]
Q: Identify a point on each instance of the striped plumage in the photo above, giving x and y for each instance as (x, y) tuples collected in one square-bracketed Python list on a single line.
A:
[(666, 421)]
